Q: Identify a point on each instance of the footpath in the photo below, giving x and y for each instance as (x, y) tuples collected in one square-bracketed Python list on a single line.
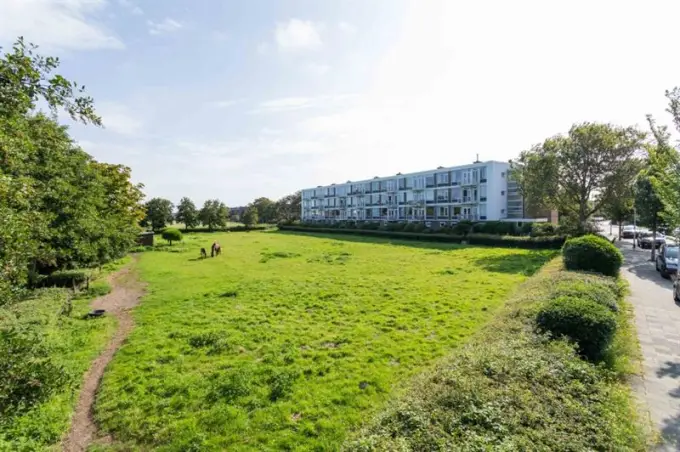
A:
[(657, 318)]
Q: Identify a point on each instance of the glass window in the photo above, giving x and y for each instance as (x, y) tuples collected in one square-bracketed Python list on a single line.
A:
[(502, 192), (672, 252)]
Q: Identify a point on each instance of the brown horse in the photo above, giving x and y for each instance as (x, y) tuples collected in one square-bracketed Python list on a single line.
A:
[(215, 250)]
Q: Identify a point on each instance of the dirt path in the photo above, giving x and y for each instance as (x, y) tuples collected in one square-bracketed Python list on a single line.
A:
[(125, 293)]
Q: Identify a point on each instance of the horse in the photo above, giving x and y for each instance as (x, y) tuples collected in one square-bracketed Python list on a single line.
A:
[(203, 253), (215, 250)]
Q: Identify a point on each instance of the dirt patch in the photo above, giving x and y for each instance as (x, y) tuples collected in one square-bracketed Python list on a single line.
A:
[(126, 291)]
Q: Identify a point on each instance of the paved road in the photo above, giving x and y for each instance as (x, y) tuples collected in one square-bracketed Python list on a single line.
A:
[(657, 318)]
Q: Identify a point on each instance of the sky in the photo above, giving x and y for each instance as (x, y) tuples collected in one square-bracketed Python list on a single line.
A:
[(236, 99)]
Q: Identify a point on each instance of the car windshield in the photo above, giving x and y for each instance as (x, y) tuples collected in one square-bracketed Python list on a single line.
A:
[(672, 252)]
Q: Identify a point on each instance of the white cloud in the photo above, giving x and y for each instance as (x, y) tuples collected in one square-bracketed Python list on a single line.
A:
[(297, 35), (56, 24), (347, 28), (130, 6), (317, 69), (120, 119), (168, 25)]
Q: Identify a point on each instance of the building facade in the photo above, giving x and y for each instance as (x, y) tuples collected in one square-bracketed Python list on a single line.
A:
[(477, 192)]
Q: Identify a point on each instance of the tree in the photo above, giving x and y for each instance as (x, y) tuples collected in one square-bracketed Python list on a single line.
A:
[(266, 209), (579, 173), (249, 217), (172, 234), (619, 209), (187, 213), (288, 207), (158, 213), (665, 163), (26, 78), (648, 205), (214, 214)]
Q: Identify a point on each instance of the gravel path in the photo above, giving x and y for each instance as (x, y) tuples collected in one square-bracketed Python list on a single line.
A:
[(125, 293)]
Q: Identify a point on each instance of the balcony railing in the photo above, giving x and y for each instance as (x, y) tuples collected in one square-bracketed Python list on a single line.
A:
[(443, 199)]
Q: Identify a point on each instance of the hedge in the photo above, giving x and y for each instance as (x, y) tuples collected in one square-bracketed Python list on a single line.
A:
[(555, 242), (258, 227), (64, 278)]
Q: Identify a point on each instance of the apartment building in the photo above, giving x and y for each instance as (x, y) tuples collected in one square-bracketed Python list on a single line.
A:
[(477, 192)]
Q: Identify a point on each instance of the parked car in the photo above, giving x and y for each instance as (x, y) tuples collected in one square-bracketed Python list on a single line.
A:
[(644, 240), (667, 260), (628, 231)]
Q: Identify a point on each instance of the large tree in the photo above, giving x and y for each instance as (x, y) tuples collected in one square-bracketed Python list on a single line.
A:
[(214, 214), (288, 207), (665, 162), (187, 213), (158, 213), (266, 209), (579, 173), (620, 209), (59, 208), (648, 205), (249, 217)]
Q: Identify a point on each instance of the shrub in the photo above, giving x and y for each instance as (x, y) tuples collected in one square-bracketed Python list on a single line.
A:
[(409, 227), (592, 253), (543, 229), (590, 325), (71, 279), (172, 235), (462, 227), (28, 374), (586, 290)]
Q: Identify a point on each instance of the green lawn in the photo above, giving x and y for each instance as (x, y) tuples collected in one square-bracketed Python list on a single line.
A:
[(291, 341), (72, 343)]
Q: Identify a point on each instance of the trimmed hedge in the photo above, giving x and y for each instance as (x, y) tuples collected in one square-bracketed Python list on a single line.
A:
[(473, 239), (171, 235), (595, 292), (592, 253), (589, 324)]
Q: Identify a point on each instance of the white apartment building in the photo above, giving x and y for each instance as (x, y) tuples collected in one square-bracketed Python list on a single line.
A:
[(442, 196)]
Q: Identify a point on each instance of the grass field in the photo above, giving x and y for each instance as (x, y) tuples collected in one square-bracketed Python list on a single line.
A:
[(72, 344), (291, 341)]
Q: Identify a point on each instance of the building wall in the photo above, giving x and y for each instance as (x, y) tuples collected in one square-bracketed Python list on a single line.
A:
[(476, 192)]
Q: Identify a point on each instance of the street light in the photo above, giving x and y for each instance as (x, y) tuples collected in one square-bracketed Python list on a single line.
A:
[(635, 231)]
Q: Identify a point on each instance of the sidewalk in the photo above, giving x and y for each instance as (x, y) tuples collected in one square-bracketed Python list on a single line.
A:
[(657, 318)]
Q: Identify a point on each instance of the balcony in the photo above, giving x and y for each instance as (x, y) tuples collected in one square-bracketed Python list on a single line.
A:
[(482, 180), (443, 199), (482, 199)]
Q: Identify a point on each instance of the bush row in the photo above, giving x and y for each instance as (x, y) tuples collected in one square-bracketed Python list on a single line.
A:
[(64, 278), (256, 227), (554, 242), (513, 388), (460, 228)]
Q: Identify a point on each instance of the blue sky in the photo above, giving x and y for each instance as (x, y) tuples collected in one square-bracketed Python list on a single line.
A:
[(241, 99)]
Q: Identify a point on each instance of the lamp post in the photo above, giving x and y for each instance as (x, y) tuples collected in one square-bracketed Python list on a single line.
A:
[(635, 231)]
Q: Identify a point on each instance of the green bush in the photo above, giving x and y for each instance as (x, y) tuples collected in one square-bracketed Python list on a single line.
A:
[(543, 229), (592, 291), (462, 227), (410, 227), (592, 253), (28, 372), (589, 324), (64, 278), (172, 235)]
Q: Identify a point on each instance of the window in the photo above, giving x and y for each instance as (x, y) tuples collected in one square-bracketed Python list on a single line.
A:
[(503, 174), (502, 210), (502, 192)]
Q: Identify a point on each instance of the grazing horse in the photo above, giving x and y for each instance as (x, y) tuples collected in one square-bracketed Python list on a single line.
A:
[(203, 253), (215, 250)]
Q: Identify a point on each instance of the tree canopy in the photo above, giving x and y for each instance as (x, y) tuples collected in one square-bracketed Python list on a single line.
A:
[(158, 213), (59, 208), (214, 214), (581, 172), (187, 213)]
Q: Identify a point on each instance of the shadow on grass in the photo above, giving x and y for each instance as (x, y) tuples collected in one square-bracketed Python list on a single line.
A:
[(524, 263), (375, 240)]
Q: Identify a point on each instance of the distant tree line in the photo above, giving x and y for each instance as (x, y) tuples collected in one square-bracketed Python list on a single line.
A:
[(215, 214), (59, 207)]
